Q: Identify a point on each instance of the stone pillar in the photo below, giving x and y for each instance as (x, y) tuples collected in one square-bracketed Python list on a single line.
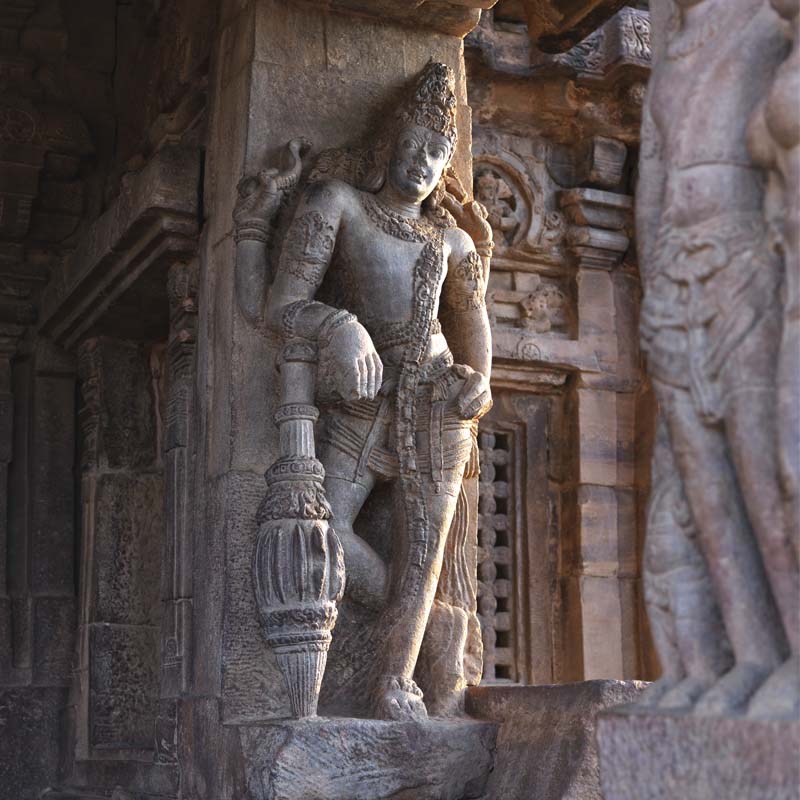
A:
[(8, 346), (605, 552), (122, 492), (37, 592), (41, 579), (280, 70), (176, 558)]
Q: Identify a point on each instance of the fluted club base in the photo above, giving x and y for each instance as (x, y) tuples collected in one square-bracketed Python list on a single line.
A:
[(302, 668)]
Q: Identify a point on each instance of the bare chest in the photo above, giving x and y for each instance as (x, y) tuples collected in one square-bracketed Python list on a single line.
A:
[(382, 269)]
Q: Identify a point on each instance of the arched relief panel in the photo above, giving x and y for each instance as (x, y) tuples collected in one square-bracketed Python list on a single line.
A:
[(509, 196), (529, 285)]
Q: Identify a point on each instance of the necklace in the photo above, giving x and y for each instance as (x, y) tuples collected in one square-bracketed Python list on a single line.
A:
[(406, 228)]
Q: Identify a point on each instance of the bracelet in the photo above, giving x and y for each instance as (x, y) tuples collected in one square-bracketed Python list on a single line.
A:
[(251, 231), (289, 317), (330, 324)]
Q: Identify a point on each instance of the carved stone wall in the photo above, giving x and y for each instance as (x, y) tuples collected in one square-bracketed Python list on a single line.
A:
[(136, 402), (555, 142), (123, 528), (90, 92)]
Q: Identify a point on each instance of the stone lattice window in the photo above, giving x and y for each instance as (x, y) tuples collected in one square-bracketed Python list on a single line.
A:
[(495, 524)]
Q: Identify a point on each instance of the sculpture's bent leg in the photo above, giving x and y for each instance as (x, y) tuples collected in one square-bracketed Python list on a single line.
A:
[(367, 575), (688, 632), (661, 561), (347, 488), (662, 629), (729, 546), (701, 633)]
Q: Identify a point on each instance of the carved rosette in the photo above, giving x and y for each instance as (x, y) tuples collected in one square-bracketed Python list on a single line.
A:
[(299, 562)]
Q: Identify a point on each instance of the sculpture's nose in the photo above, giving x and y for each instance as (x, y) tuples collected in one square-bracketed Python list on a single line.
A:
[(421, 156)]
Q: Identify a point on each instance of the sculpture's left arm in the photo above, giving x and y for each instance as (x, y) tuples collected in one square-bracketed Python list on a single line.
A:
[(466, 324)]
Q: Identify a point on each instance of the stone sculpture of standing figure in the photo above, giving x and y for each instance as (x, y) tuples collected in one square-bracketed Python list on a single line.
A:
[(404, 358), (711, 326), (774, 139)]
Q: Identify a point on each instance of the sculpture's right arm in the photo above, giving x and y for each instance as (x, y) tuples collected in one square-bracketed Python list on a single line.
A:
[(305, 257), (293, 312)]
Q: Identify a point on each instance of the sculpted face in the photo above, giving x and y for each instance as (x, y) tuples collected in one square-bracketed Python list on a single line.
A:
[(420, 155)]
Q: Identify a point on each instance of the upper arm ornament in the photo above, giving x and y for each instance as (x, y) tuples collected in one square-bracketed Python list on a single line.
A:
[(308, 247), (465, 287)]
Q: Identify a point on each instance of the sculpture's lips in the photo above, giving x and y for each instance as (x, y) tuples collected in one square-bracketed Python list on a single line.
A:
[(416, 174)]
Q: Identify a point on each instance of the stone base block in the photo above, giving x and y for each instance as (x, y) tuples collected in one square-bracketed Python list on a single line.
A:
[(361, 759), (546, 747), (659, 756)]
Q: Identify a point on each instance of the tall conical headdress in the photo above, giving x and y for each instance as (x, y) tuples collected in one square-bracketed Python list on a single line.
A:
[(433, 104)]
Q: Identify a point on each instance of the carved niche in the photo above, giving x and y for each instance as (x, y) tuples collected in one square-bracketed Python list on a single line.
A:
[(524, 291)]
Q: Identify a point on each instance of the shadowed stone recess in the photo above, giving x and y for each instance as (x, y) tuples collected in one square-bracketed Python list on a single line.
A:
[(29, 739)]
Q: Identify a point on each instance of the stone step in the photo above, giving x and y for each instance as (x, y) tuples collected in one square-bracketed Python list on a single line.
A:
[(657, 755), (364, 759)]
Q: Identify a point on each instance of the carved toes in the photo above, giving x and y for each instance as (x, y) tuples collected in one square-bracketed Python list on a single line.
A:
[(401, 706)]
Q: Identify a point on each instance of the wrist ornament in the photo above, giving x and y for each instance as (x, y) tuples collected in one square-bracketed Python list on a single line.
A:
[(289, 317), (330, 324)]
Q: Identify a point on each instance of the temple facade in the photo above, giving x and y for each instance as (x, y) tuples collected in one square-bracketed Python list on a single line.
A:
[(168, 168)]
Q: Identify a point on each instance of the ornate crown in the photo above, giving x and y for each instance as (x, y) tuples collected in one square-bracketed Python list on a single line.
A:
[(433, 104)]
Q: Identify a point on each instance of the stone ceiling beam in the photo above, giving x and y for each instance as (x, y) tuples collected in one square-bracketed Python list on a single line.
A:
[(556, 25)]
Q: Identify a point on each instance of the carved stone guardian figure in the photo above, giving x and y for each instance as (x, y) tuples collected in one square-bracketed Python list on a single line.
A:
[(721, 552), (774, 140), (381, 284)]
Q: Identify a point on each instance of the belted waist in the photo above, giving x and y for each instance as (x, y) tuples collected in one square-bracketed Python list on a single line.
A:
[(393, 334)]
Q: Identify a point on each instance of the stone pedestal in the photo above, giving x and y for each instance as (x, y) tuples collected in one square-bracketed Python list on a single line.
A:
[(360, 759), (658, 756), (546, 745)]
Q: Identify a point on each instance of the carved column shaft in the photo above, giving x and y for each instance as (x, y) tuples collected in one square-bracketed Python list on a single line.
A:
[(299, 562), (6, 430), (176, 565)]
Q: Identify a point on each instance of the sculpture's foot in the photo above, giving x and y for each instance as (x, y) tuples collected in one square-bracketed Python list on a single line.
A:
[(653, 694), (399, 699), (729, 695), (779, 696), (685, 693)]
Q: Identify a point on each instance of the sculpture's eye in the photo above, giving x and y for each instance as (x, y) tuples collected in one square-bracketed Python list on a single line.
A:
[(438, 152)]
